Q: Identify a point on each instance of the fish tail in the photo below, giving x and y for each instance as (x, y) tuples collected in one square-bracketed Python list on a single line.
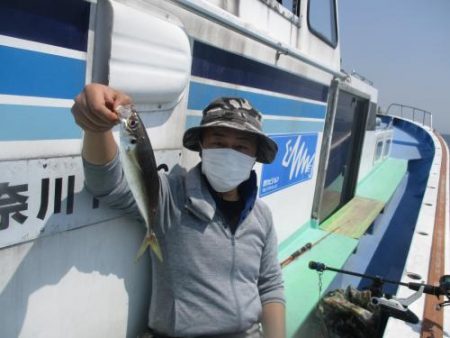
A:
[(151, 241), (154, 244)]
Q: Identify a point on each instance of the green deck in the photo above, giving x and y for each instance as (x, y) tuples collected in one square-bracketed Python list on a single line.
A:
[(382, 182), (301, 283)]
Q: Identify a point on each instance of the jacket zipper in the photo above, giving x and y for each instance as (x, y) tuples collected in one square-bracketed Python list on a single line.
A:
[(233, 260), (232, 277)]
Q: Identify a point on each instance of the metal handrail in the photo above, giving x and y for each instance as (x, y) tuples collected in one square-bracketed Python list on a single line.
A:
[(414, 111), (222, 17), (361, 77)]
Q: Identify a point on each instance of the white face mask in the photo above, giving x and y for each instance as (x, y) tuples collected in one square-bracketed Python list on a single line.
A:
[(226, 168)]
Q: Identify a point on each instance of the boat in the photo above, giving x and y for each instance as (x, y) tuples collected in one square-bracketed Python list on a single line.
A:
[(361, 189)]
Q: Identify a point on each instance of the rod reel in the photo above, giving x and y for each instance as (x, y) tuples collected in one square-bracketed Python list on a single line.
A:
[(396, 307), (444, 285)]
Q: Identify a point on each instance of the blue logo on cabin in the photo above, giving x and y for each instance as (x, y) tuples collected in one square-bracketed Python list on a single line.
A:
[(294, 162)]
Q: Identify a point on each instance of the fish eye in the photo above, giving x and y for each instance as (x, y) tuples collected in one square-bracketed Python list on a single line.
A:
[(132, 123)]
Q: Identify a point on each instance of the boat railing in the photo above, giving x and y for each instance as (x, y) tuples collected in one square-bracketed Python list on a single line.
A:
[(361, 77), (413, 113)]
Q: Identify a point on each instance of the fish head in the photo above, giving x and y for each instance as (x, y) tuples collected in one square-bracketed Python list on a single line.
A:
[(131, 127)]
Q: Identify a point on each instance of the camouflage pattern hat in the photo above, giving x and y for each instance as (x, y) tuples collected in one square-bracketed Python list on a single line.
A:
[(235, 113)]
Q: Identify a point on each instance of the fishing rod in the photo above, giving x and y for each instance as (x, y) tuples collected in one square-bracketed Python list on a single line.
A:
[(305, 248), (396, 307)]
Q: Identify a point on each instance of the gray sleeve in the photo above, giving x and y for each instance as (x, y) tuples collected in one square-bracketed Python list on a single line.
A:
[(270, 283), (108, 184)]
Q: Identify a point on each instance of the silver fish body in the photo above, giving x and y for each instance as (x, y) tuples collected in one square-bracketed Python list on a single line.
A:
[(140, 169)]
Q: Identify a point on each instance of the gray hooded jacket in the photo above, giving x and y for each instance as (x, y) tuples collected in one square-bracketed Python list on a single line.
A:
[(211, 281)]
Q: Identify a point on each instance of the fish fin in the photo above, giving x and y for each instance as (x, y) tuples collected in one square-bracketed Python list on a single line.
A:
[(154, 244), (142, 249), (151, 241)]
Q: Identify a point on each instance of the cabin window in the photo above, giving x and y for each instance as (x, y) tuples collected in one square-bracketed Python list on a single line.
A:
[(379, 150), (292, 5), (372, 117), (387, 147), (322, 20)]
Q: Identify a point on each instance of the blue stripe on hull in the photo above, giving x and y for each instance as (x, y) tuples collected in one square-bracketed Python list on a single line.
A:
[(20, 123), (60, 23), (200, 95), (217, 64), (275, 126), (292, 127), (29, 73)]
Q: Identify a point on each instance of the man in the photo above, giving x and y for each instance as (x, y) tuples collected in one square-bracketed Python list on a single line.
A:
[(220, 276)]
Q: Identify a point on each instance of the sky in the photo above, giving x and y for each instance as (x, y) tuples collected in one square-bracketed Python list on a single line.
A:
[(403, 47)]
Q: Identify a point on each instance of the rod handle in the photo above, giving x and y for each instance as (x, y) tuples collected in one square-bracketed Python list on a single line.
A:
[(428, 289)]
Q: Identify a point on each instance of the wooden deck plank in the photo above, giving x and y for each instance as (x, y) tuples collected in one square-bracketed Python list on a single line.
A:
[(355, 217)]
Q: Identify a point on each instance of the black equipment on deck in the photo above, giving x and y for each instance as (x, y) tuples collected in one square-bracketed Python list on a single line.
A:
[(396, 307)]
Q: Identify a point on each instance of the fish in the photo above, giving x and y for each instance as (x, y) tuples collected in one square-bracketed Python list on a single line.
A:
[(140, 170)]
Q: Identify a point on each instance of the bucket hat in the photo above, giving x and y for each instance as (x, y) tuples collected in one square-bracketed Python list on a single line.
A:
[(236, 113)]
